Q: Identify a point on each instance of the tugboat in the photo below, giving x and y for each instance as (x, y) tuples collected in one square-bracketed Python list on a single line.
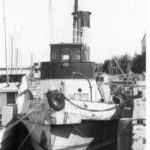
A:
[(72, 112)]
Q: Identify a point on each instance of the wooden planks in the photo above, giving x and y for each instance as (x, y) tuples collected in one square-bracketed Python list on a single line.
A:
[(139, 124)]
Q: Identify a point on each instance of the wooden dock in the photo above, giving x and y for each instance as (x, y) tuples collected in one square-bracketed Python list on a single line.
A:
[(132, 126), (139, 124)]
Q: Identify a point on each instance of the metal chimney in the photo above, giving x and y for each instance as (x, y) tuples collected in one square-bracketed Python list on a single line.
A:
[(81, 24)]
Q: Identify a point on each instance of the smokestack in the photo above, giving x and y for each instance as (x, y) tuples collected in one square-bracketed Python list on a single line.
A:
[(83, 33), (81, 25), (84, 19)]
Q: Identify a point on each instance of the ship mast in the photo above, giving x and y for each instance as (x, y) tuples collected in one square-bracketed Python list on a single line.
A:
[(4, 19), (75, 21)]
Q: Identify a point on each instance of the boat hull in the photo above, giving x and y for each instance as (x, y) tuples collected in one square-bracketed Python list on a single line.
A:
[(14, 138), (88, 135)]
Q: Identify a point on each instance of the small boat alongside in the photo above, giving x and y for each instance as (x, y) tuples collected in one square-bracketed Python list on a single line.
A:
[(12, 97)]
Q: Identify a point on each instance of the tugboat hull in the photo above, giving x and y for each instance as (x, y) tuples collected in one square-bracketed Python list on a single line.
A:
[(89, 135)]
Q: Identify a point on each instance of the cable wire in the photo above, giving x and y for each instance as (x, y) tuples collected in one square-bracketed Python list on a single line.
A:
[(27, 135), (66, 29), (51, 21), (15, 123), (120, 68)]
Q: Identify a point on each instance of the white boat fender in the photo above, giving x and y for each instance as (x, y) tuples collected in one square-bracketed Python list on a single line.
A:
[(56, 100)]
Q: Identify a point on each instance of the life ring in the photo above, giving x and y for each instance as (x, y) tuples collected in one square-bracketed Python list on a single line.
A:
[(55, 100)]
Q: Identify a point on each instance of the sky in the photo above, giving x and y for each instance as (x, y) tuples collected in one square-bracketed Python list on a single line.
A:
[(117, 27)]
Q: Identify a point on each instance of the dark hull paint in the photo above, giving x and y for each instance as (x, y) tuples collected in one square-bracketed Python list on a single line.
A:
[(102, 133), (14, 137)]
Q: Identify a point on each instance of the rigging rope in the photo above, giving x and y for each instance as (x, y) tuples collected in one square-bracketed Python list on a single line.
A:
[(120, 68), (15, 123), (68, 21), (33, 126), (51, 21), (100, 91), (66, 29)]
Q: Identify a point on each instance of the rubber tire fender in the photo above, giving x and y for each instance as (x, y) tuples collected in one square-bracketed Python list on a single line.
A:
[(56, 101)]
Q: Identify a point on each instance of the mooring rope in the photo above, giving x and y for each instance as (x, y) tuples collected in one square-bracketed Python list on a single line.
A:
[(33, 126), (15, 123)]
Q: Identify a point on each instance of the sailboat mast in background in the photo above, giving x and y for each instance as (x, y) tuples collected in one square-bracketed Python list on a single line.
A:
[(4, 19)]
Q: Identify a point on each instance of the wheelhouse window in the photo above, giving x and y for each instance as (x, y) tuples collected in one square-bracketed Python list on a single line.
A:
[(55, 54), (85, 56), (76, 54), (65, 54)]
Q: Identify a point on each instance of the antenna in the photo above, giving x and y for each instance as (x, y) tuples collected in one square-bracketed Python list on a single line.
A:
[(50, 22), (11, 53), (81, 23), (4, 19)]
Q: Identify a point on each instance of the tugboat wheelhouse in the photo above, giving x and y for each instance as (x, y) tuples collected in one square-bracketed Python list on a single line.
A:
[(66, 59)]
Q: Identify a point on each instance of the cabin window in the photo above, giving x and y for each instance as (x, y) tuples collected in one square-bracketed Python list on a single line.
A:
[(65, 57), (85, 56), (55, 55), (11, 98), (65, 54), (76, 54)]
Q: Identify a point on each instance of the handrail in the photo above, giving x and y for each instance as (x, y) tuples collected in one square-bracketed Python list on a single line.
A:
[(93, 110), (90, 86)]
